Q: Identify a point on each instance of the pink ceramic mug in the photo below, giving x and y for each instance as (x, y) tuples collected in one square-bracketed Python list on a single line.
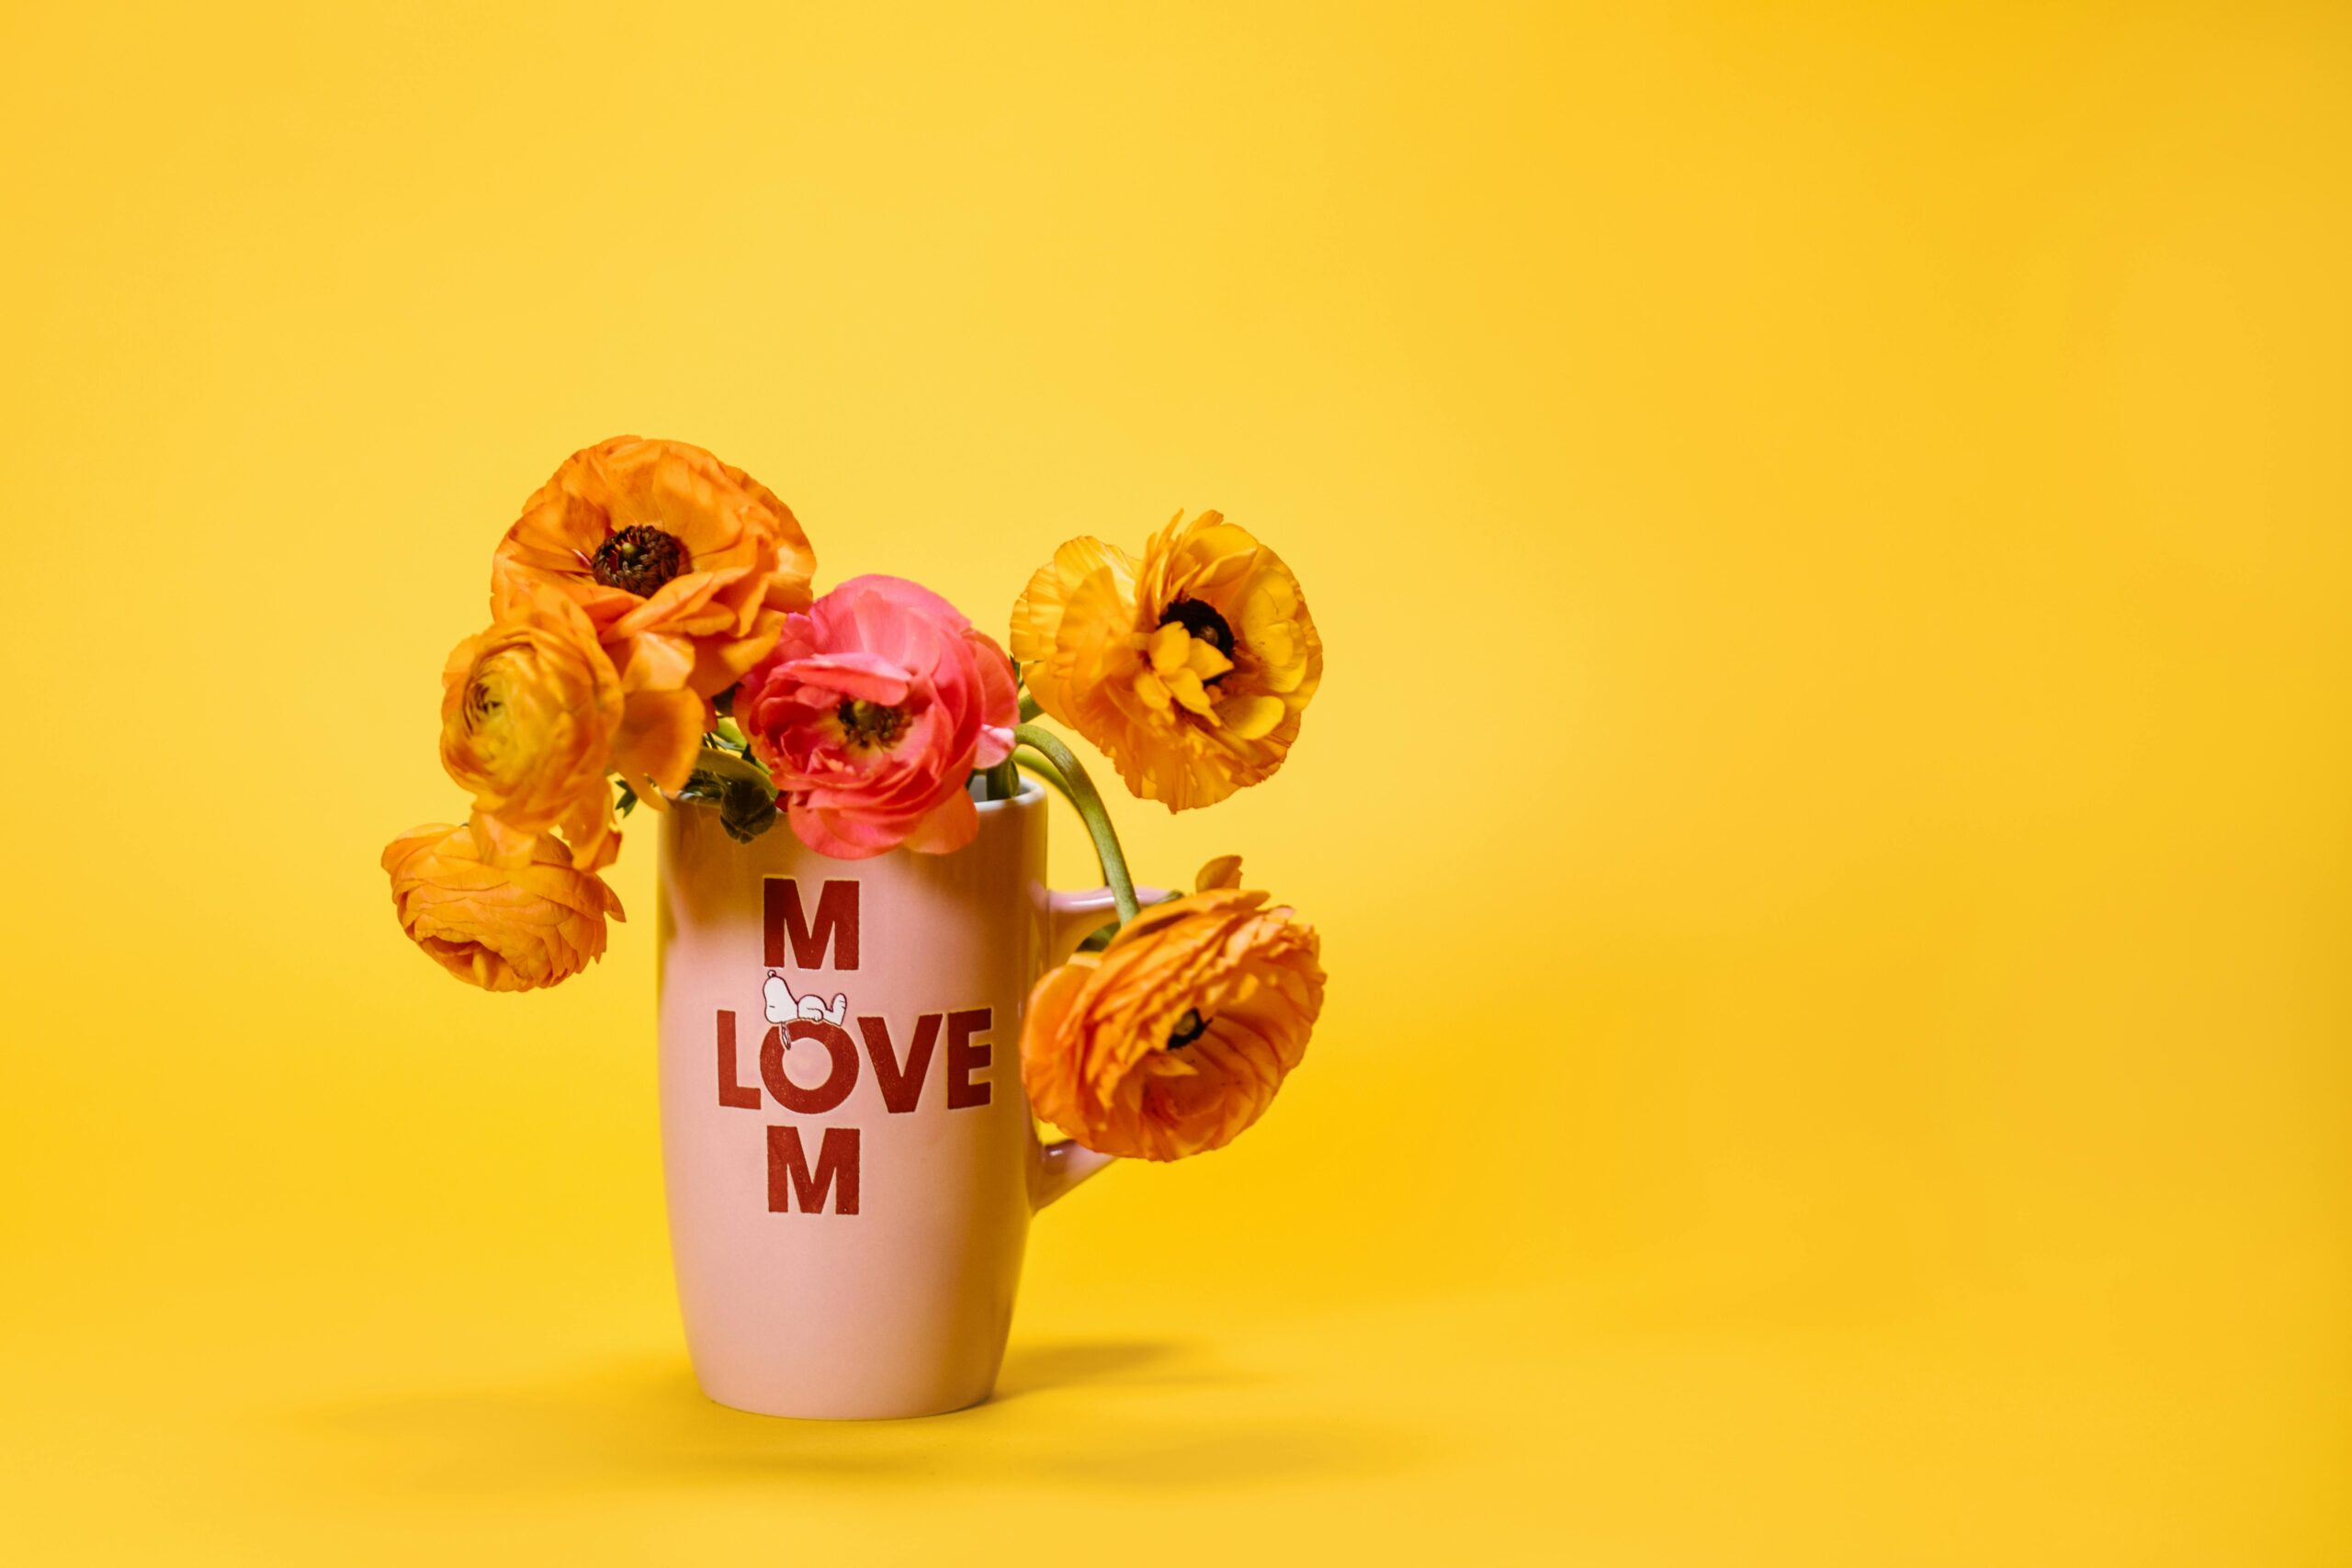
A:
[(849, 1157)]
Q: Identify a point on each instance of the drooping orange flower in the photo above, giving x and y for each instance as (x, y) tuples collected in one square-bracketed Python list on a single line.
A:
[(685, 566), (501, 928), (1190, 668), (1173, 1039)]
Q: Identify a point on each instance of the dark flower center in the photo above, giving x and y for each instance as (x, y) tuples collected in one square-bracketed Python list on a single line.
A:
[(486, 693), (1203, 621), (870, 724), (639, 560), (1189, 1028)]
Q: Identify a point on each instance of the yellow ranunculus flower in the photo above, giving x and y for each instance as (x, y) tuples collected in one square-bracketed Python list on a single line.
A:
[(529, 711), (532, 714), (1190, 669)]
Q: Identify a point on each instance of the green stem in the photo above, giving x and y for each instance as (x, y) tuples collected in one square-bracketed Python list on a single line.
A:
[(1030, 711), (1044, 772), (1091, 810)]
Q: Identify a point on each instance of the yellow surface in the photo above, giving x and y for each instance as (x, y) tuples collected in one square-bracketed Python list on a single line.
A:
[(1828, 810)]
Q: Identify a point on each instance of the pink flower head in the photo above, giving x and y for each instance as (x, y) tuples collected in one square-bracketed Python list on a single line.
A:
[(875, 706)]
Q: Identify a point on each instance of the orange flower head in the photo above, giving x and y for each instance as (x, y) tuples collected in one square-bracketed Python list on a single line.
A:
[(501, 928), (685, 566), (529, 709), (1173, 1039), (1190, 668)]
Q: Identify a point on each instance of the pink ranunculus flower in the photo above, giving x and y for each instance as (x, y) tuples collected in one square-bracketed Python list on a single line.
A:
[(875, 704)]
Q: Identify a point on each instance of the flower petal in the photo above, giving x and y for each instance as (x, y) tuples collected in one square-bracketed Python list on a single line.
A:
[(1224, 871), (1186, 722), (1249, 718)]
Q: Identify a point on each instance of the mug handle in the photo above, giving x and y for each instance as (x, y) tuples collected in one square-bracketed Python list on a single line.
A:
[(1072, 918)]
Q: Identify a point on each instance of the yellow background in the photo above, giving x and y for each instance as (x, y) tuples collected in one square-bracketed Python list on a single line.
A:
[(1828, 811)]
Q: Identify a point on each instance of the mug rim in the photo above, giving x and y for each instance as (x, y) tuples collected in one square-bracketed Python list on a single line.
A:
[(1030, 790)]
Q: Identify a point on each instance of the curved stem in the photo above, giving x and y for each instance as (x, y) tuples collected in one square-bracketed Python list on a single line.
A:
[(1088, 801), (1034, 764), (1029, 708)]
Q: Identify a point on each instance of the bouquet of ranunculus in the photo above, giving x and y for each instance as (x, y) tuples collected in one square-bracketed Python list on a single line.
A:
[(653, 641)]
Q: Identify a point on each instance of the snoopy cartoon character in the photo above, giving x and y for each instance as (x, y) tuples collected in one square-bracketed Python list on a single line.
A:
[(784, 1007)]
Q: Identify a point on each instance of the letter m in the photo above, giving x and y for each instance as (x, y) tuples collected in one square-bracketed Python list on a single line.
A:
[(786, 921), (792, 1185)]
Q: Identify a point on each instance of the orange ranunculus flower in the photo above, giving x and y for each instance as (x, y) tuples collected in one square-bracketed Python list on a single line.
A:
[(501, 928), (1173, 1039), (529, 711), (532, 715), (685, 566), (1190, 669)]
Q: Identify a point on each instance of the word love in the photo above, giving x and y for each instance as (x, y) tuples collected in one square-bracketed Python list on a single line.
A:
[(793, 1183), (791, 932), (901, 1079)]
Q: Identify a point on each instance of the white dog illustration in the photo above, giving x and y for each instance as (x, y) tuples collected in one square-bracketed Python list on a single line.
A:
[(784, 1007)]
